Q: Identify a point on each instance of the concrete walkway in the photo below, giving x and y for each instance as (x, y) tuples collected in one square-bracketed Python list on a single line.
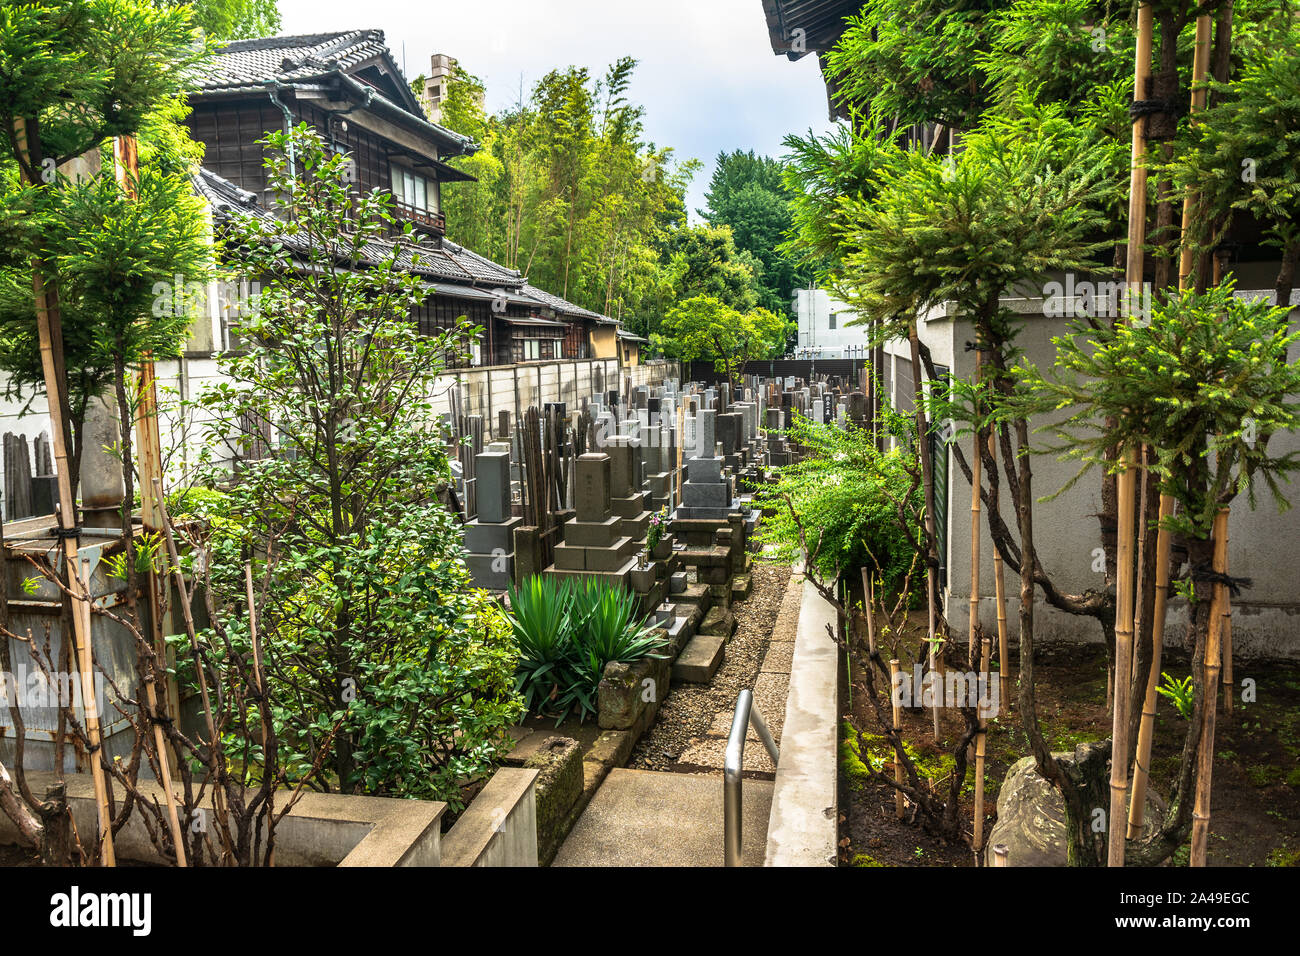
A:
[(650, 818), (656, 818)]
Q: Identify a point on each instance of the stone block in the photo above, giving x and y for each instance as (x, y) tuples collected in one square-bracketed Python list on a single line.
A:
[(492, 486), (482, 538), (710, 495), (593, 534), (700, 659), (559, 785), (704, 470), (592, 484)]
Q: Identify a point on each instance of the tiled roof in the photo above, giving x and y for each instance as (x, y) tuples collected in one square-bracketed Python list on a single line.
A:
[(562, 306), (305, 62), (253, 63), (451, 263)]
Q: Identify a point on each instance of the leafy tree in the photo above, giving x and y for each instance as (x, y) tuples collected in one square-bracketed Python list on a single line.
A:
[(1202, 385), (376, 648), (709, 264), (232, 19), (125, 62), (1240, 155), (570, 193), (74, 74), (748, 194), (705, 328)]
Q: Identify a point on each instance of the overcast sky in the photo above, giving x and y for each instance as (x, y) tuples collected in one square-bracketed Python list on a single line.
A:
[(707, 76)]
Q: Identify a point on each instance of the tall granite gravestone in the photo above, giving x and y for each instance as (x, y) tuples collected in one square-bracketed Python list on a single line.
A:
[(628, 497), (594, 541), (489, 538)]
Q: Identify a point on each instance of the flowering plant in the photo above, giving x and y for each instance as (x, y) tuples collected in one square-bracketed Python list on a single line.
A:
[(655, 532)]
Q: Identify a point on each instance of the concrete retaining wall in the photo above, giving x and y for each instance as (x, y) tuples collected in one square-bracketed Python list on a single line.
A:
[(321, 830), (804, 823), (499, 827)]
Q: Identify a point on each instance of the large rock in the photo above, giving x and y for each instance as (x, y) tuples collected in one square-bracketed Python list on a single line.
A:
[(1031, 816)]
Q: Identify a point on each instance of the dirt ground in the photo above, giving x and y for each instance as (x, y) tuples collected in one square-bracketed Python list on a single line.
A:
[(1255, 803)]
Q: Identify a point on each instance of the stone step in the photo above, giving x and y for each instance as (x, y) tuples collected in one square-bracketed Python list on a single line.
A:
[(697, 595), (741, 586), (700, 659), (719, 622)]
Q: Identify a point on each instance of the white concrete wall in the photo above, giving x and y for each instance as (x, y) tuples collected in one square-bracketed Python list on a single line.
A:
[(1265, 619)]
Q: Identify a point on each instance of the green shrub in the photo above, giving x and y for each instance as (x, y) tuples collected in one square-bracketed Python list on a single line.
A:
[(846, 495)]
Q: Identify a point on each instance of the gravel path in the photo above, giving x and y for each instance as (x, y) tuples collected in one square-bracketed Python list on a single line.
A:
[(690, 711)]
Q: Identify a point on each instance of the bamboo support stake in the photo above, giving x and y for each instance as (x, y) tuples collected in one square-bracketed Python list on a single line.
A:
[(975, 485), (259, 679), (50, 333), (1000, 593), (1200, 67), (895, 675), (869, 598), (1123, 665), (1210, 697), (931, 573), (149, 444), (1229, 691), (981, 740), (1133, 275), (1146, 729)]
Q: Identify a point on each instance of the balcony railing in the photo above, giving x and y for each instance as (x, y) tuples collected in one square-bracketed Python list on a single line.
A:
[(434, 221)]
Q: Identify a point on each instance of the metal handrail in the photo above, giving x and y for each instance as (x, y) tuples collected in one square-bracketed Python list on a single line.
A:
[(734, 763)]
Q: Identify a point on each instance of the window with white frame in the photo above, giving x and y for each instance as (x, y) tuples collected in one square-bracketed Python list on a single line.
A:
[(413, 190)]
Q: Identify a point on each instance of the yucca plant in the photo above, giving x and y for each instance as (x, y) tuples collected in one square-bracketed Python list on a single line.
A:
[(540, 616), (606, 628)]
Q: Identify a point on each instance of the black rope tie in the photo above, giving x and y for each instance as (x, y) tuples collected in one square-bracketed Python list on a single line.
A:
[(1203, 572), (61, 532), (161, 721)]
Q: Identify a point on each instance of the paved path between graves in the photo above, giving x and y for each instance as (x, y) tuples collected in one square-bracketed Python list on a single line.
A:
[(658, 818)]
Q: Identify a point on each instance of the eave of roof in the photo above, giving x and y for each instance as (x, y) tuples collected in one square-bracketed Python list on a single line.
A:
[(799, 27), (302, 62), (453, 264)]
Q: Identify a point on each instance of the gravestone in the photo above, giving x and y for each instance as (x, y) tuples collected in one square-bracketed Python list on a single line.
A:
[(594, 540), (489, 538)]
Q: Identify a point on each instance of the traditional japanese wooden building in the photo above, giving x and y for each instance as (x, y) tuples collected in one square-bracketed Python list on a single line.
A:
[(350, 90)]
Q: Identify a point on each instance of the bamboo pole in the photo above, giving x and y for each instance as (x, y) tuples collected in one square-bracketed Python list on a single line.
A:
[(1146, 729), (977, 458), (1000, 593), (259, 679), (49, 328), (931, 573), (1210, 697), (1200, 67), (149, 444), (895, 673), (1123, 666), (981, 739), (1229, 691), (869, 598), (1133, 275)]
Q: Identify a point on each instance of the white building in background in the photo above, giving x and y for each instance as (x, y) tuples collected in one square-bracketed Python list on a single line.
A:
[(824, 332)]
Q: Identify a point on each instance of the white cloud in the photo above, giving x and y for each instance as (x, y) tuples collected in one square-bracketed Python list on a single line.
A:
[(707, 75)]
